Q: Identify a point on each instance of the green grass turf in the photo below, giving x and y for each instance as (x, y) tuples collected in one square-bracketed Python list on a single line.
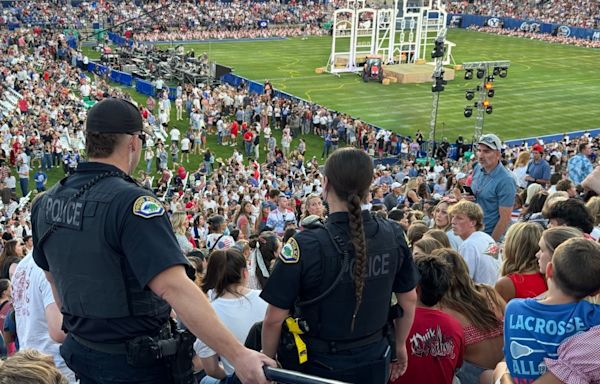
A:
[(551, 88)]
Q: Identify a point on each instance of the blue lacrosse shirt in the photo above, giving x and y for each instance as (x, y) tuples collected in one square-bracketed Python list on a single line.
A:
[(533, 331)]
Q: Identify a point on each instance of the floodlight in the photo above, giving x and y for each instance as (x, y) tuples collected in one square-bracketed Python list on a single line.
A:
[(491, 92), (468, 74), (468, 112), (469, 94), (488, 107), (438, 49), (503, 72), (496, 71), (438, 86), (480, 73)]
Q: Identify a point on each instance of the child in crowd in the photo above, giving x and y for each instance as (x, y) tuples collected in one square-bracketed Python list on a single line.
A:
[(534, 329), (436, 341)]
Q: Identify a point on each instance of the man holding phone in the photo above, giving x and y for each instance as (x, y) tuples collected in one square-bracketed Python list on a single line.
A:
[(493, 187)]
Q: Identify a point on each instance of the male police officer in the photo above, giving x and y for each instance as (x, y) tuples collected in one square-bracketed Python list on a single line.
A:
[(110, 255)]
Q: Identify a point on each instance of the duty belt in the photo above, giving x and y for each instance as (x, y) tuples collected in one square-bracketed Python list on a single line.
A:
[(113, 349), (329, 346), (120, 348)]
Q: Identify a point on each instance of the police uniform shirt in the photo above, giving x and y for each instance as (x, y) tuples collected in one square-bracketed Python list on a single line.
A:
[(292, 279), (141, 233)]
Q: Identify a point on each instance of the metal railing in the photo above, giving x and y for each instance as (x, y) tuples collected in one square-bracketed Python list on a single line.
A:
[(285, 376)]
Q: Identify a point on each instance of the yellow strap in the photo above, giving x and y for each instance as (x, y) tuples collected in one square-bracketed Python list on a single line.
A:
[(294, 328)]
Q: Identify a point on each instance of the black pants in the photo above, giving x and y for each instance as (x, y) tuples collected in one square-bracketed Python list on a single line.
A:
[(365, 365), (94, 367)]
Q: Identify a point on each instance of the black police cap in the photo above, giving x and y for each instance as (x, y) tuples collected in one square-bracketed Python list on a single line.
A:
[(114, 115)]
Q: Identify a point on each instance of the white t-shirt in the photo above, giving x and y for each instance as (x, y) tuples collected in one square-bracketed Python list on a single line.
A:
[(455, 241), (185, 144), (175, 134), (223, 241), (238, 315), (480, 251), (31, 296), (85, 90)]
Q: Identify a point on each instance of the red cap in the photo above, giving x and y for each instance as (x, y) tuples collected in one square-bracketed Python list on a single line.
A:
[(537, 148)]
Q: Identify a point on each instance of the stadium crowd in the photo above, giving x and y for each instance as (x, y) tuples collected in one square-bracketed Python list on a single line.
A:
[(579, 13), (494, 219), (540, 36), (188, 20)]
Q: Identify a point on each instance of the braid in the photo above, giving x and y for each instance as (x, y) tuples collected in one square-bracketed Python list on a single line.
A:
[(359, 243)]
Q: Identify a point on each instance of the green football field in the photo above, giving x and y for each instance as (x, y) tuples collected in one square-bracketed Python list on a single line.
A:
[(550, 88)]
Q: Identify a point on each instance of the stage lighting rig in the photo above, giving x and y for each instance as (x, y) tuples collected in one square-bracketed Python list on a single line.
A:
[(487, 72), (438, 49), (437, 86), (487, 106), (489, 87)]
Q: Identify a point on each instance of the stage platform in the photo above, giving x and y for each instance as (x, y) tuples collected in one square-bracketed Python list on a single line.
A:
[(414, 73)]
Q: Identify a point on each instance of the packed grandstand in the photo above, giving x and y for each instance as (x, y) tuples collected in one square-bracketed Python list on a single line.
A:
[(256, 196)]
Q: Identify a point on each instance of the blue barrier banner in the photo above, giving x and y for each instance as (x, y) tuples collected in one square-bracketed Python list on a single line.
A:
[(466, 20), (145, 87), (121, 77), (254, 87)]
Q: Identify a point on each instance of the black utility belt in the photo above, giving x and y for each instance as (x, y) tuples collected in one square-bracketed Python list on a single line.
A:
[(329, 346), (140, 351)]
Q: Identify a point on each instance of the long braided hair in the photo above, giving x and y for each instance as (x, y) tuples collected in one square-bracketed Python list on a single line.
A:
[(349, 172)]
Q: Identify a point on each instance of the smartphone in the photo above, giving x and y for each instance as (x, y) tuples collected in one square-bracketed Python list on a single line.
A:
[(466, 189)]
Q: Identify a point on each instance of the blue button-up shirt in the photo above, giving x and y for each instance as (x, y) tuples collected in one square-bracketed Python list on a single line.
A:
[(492, 191), (579, 167)]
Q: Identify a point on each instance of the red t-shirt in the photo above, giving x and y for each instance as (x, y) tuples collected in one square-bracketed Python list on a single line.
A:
[(435, 345), (23, 105), (234, 128), (248, 136), (528, 285)]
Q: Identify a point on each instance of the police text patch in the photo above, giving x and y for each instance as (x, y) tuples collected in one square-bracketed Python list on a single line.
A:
[(290, 253), (147, 207), (64, 212)]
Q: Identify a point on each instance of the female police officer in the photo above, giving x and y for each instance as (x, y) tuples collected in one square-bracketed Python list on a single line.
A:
[(338, 279)]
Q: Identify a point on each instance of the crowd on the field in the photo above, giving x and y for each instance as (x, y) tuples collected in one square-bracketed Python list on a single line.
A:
[(578, 13)]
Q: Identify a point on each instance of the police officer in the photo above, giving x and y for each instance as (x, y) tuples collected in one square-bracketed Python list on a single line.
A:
[(338, 279), (112, 259)]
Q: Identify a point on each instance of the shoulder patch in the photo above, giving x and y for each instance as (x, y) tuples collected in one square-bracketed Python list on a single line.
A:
[(290, 253), (148, 207)]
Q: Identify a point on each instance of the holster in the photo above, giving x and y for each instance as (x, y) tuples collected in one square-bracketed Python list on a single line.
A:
[(180, 364), (172, 345)]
